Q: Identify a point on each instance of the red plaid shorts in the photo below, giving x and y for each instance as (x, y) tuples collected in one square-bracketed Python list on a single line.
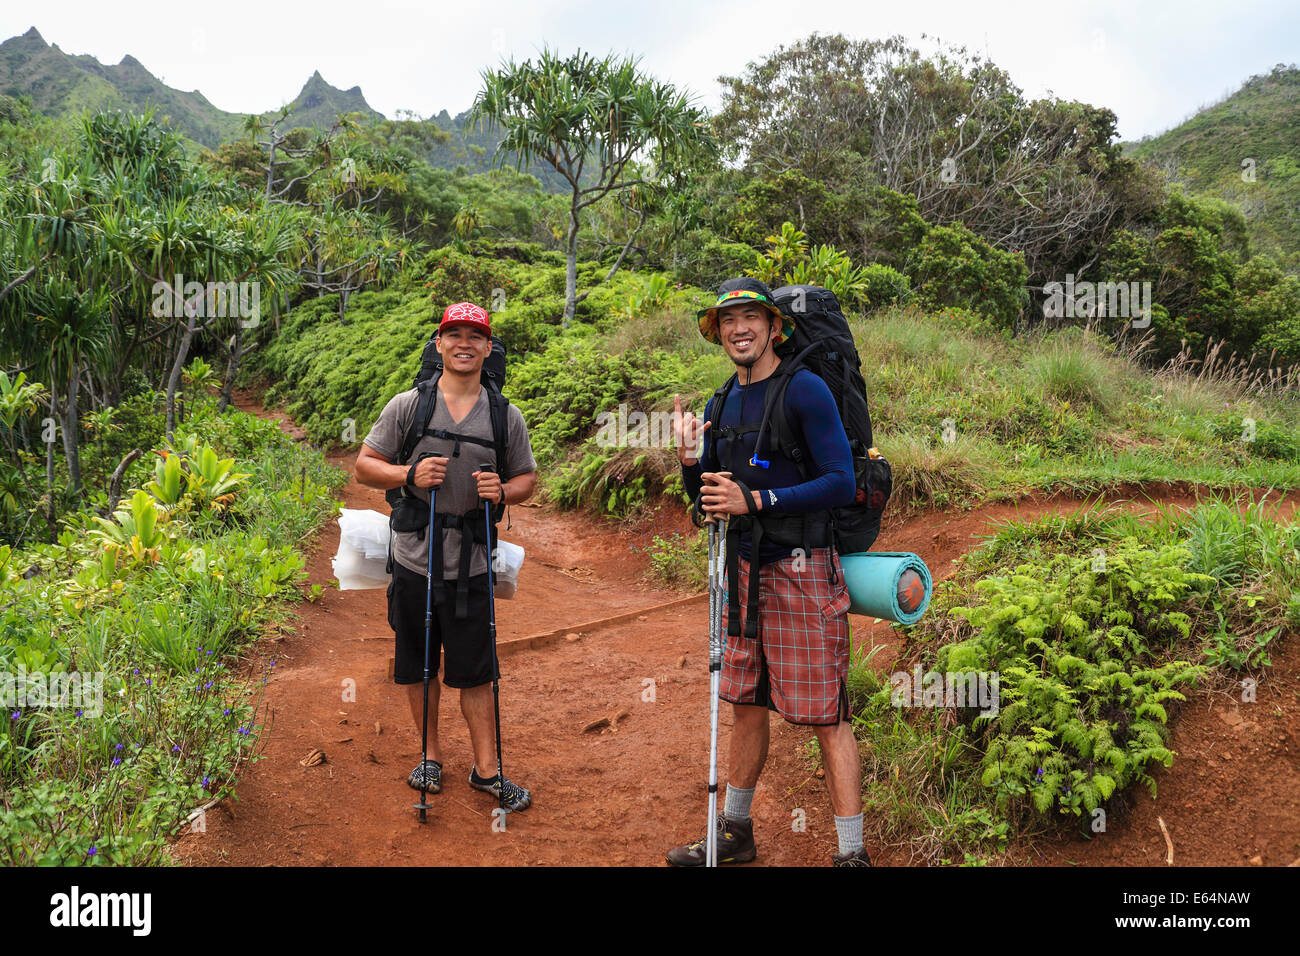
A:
[(799, 663)]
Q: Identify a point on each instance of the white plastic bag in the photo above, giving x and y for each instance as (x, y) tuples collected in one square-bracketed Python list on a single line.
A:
[(506, 563), (363, 550), (366, 531)]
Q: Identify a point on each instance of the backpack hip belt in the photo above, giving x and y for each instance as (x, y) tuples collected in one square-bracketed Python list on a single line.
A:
[(472, 531)]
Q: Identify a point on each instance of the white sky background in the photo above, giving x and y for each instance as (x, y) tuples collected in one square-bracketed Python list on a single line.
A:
[(1154, 62)]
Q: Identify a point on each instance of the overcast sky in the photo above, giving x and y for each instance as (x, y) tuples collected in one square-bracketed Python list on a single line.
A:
[(1153, 62)]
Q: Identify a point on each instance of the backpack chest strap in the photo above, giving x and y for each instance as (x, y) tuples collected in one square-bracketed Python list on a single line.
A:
[(457, 438)]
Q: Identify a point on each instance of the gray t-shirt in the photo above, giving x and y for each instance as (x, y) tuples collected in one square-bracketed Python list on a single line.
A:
[(458, 492)]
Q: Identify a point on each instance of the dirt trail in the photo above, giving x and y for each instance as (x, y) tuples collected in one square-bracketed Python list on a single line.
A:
[(607, 797)]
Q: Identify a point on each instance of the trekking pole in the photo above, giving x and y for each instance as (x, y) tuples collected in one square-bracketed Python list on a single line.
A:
[(717, 541), (423, 806), (492, 636)]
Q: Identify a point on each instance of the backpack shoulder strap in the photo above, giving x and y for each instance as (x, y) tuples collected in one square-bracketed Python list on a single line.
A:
[(426, 400), (775, 430), (498, 411), (719, 400)]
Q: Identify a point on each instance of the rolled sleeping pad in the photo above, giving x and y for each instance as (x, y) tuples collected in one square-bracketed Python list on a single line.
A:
[(894, 585)]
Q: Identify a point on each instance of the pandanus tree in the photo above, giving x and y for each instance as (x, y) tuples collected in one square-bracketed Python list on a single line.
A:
[(344, 243), (53, 314), (598, 123)]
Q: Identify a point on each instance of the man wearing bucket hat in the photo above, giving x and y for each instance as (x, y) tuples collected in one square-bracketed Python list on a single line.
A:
[(796, 660), (459, 435)]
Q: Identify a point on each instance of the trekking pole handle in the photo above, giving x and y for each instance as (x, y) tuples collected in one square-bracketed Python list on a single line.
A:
[(711, 517)]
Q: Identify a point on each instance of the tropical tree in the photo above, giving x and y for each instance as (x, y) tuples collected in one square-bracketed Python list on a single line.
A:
[(592, 120)]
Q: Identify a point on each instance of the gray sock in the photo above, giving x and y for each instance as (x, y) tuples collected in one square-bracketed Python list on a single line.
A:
[(849, 830), (736, 806)]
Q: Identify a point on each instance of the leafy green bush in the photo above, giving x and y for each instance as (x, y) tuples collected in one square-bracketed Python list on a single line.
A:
[(679, 561), (1266, 439), (703, 259), (954, 267), (884, 286), (1082, 710)]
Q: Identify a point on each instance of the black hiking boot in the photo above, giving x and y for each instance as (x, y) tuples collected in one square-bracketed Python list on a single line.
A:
[(517, 798), (735, 845), (852, 859), (429, 774)]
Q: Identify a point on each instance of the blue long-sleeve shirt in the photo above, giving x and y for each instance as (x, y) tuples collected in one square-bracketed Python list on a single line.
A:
[(815, 420)]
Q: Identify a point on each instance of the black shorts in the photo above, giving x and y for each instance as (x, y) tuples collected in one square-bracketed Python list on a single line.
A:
[(467, 642)]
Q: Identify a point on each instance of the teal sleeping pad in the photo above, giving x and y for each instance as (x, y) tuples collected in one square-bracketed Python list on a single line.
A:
[(894, 585)]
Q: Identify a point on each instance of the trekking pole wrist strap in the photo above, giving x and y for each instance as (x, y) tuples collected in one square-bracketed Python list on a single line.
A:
[(750, 503), (410, 474)]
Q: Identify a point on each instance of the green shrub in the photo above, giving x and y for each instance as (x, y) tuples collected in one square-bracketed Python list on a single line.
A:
[(705, 260), (954, 267), (679, 561)]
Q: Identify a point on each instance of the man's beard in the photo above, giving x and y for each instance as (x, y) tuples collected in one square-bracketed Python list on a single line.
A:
[(753, 360)]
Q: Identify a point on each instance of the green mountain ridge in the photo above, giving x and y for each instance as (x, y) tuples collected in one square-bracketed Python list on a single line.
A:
[(59, 83), (1245, 150)]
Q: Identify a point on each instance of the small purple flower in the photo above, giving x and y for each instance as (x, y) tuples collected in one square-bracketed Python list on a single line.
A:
[(15, 715), (136, 671), (116, 761), (245, 731), (79, 713), (148, 682), (118, 747), (272, 663), (209, 653), (1040, 773), (207, 685), (91, 852), (206, 781), (226, 712), (176, 749)]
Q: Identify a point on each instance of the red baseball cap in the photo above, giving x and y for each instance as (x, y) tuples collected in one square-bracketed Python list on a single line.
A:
[(466, 313)]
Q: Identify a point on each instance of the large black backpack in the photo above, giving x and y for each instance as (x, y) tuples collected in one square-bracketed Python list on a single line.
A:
[(408, 512), (823, 343)]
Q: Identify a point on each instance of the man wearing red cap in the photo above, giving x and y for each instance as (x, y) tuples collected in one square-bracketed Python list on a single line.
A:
[(460, 625)]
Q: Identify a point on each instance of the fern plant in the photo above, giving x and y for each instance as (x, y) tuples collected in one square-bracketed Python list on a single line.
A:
[(1083, 705)]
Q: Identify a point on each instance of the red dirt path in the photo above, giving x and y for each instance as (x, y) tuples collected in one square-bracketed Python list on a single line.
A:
[(625, 796)]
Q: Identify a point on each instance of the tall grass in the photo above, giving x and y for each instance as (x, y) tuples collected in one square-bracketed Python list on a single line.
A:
[(1071, 369)]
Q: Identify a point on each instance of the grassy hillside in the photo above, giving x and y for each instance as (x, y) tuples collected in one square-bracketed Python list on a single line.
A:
[(1260, 123)]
